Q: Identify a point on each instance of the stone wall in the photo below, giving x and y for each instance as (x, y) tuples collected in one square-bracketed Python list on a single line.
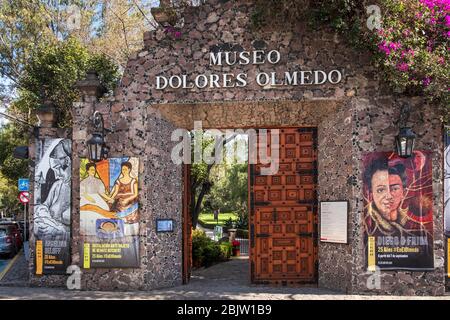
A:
[(355, 116), (139, 131), (226, 26), (335, 183), (374, 126)]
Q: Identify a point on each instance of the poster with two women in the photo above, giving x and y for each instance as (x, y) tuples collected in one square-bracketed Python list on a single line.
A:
[(109, 213), (398, 211)]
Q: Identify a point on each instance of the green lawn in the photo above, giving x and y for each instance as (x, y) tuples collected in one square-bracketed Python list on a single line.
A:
[(208, 218)]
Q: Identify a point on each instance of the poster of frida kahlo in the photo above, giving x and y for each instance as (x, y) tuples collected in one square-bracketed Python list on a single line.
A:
[(398, 211), (109, 213)]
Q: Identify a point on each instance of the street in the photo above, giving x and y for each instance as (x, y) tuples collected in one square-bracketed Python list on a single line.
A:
[(3, 263)]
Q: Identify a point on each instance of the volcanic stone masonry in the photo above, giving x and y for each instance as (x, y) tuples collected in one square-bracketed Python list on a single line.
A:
[(354, 116)]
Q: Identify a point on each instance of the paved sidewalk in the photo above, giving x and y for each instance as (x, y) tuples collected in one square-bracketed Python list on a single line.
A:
[(227, 281), (18, 273)]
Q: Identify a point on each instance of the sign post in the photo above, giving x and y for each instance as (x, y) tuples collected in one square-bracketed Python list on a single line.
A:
[(23, 184), (24, 198)]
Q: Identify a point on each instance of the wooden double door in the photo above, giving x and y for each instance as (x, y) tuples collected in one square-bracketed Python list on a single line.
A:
[(283, 211)]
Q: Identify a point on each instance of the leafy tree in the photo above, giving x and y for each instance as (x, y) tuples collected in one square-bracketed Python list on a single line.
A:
[(11, 169), (53, 70), (9, 204), (201, 178), (230, 190)]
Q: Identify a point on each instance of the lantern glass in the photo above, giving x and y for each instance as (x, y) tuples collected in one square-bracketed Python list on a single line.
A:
[(95, 147), (405, 142)]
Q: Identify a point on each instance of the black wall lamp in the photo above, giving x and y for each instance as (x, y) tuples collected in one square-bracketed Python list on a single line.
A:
[(97, 149), (405, 140)]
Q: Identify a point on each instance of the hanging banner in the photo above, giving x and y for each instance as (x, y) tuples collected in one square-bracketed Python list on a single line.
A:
[(109, 213), (52, 201), (447, 193), (398, 212)]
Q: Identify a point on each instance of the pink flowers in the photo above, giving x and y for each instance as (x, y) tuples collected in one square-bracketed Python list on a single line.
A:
[(174, 32), (426, 81), (384, 48), (388, 47), (403, 66)]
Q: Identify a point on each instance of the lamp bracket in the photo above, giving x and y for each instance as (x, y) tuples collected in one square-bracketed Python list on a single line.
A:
[(405, 113), (99, 123)]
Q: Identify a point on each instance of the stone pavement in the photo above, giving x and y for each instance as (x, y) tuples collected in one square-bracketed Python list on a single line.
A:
[(224, 281)]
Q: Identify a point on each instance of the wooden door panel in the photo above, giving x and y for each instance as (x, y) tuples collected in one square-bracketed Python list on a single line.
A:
[(283, 219)]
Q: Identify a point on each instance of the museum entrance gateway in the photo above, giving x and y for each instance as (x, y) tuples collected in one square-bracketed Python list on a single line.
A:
[(282, 212)]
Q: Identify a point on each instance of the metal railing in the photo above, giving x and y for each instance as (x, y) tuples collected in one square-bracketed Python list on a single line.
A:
[(244, 246)]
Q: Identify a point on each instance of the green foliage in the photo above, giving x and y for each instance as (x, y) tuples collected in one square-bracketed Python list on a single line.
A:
[(226, 250), (52, 72), (9, 203), (11, 168), (229, 191), (23, 24), (207, 219), (230, 223), (205, 251), (411, 49)]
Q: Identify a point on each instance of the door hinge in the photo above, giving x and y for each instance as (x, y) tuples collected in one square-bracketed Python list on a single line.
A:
[(252, 235), (262, 203), (313, 235)]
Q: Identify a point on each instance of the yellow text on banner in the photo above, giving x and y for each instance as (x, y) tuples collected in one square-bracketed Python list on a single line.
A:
[(371, 254), (87, 256), (39, 257)]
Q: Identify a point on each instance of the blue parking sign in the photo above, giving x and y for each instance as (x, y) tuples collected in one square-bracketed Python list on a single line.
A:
[(24, 184)]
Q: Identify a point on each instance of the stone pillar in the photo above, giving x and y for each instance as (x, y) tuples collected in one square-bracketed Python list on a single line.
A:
[(90, 90)]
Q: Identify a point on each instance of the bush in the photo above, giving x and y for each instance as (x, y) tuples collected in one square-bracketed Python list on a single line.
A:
[(226, 250), (229, 224), (211, 254), (206, 252), (241, 233)]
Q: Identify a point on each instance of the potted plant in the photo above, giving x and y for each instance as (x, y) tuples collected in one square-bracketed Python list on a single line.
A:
[(236, 248)]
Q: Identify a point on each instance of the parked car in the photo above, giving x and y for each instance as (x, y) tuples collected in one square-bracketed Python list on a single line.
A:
[(8, 243), (17, 232)]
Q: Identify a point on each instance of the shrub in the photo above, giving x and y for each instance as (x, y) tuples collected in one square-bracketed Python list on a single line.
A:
[(226, 249), (211, 254), (206, 252)]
